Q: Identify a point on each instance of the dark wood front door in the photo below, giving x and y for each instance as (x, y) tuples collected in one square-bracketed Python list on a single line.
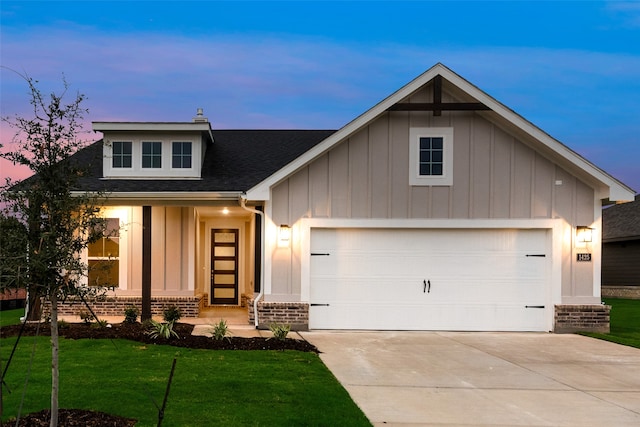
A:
[(224, 266)]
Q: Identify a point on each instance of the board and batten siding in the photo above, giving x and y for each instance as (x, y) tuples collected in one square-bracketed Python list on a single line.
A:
[(173, 246), (495, 176)]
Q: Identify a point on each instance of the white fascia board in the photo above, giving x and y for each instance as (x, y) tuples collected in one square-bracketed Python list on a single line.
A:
[(150, 126), (191, 196), (617, 191)]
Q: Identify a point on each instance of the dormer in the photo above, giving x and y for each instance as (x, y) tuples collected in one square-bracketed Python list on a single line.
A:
[(154, 150)]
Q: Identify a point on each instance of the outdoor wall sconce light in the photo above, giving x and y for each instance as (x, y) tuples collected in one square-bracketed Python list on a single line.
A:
[(584, 234), (284, 235)]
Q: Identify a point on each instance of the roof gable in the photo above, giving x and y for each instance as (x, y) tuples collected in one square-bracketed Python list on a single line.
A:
[(606, 186)]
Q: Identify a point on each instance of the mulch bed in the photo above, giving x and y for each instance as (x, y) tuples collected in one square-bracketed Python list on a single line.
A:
[(137, 332), (73, 418), (134, 332)]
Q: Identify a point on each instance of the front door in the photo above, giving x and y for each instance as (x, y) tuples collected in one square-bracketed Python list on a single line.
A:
[(224, 266)]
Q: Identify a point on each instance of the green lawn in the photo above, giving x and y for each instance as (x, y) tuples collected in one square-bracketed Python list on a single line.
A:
[(11, 317), (210, 387), (625, 322)]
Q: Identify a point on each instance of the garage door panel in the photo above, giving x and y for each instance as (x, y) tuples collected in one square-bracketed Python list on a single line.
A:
[(479, 279), (459, 317)]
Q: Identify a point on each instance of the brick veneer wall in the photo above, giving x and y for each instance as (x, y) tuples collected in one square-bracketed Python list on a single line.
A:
[(115, 306), (587, 318), (295, 314), (629, 292)]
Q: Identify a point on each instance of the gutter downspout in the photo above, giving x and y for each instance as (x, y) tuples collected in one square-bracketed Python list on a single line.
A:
[(260, 285)]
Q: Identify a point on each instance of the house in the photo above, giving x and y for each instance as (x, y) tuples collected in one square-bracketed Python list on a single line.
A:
[(621, 250), (437, 209)]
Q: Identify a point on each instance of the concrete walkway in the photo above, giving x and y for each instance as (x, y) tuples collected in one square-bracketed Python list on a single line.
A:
[(485, 379)]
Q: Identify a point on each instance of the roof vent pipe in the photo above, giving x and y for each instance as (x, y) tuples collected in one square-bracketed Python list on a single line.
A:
[(200, 118)]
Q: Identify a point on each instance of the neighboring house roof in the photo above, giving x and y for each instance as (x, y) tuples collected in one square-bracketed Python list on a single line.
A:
[(235, 162), (605, 185), (621, 222)]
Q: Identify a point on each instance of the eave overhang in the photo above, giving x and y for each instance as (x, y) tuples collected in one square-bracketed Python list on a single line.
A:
[(166, 197), (204, 127)]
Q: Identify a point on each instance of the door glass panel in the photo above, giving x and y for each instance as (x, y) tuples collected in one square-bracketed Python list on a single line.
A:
[(224, 265), (225, 237), (224, 293), (224, 279), (224, 251)]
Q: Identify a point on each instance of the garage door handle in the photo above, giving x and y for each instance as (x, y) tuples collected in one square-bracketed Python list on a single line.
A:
[(319, 305), (537, 255), (534, 306), (319, 254), (427, 286)]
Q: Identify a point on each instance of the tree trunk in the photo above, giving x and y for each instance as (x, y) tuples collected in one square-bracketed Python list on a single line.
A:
[(35, 308), (54, 360)]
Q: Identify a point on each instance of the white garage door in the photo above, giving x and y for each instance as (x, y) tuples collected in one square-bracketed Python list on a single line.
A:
[(416, 279)]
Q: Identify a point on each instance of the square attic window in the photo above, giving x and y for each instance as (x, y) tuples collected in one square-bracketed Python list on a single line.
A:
[(431, 156)]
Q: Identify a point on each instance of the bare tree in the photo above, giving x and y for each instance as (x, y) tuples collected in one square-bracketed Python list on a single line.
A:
[(60, 222)]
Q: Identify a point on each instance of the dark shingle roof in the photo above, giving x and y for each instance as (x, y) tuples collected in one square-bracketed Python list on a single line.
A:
[(621, 222), (236, 161)]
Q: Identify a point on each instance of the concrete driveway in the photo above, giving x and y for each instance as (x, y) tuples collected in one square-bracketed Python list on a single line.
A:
[(485, 379)]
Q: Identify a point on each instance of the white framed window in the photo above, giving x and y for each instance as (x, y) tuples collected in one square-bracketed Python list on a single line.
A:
[(170, 157), (122, 154), (181, 155), (107, 257), (151, 154), (431, 156), (103, 256)]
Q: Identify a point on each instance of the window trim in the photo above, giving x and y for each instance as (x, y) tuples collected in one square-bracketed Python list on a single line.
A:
[(152, 155), (122, 214), (415, 179), (122, 156), (181, 155)]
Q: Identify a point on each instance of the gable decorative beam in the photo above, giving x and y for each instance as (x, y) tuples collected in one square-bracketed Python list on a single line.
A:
[(437, 106)]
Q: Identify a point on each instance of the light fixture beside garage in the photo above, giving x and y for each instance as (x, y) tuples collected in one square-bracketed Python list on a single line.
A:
[(584, 234), (284, 236)]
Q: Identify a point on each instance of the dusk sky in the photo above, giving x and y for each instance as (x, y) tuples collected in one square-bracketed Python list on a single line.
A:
[(571, 68)]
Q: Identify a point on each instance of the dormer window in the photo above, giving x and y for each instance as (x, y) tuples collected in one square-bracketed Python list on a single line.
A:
[(122, 154), (154, 150), (152, 155), (181, 155)]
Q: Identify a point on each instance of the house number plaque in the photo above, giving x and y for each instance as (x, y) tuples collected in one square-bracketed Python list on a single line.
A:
[(583, 257)]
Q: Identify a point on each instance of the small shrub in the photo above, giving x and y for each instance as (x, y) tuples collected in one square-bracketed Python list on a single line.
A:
[(220, 330), (62, 324), (172, 314), (147, 324), (86, 316), (162, 330), (100, 324), (131, 314), (279, 332)]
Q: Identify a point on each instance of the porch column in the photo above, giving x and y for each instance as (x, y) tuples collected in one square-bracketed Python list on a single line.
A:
[(146, 263)]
